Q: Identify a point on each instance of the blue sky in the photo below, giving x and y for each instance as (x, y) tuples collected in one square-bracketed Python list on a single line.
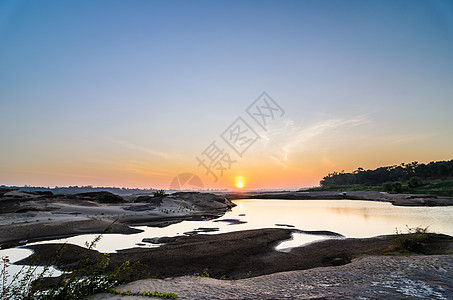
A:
[(128, 93)]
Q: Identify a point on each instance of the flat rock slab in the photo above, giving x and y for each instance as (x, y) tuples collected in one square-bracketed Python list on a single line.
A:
[(395, 199), (413, 277)]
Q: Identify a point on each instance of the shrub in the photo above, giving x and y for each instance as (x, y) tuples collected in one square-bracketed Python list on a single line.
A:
[(205, 273), (387, 186), (414, 241), (160, 193), (396, 186), (414, 182)]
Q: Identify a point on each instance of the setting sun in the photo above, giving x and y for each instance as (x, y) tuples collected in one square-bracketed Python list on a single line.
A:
[(239, 182)]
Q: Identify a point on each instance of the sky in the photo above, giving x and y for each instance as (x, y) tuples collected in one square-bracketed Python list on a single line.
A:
[(135, 93)]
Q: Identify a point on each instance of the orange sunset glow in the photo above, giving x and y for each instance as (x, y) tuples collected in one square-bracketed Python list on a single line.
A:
[(314, 100)]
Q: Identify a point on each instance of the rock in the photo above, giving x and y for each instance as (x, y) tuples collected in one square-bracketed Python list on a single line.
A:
[(231, 221), (155, 201), (102, 197), (140, 208), (151, 240), (285, 225), (201, 229), (203, 201), (339, 261)]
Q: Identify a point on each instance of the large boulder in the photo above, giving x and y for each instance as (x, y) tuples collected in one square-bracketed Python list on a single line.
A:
[(101, 197), (203, 201)]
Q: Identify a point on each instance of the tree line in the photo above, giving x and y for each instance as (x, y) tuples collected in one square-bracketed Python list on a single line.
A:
[(413, 173)]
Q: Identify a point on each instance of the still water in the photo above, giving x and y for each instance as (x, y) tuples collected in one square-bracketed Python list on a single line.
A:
[(347, 217)]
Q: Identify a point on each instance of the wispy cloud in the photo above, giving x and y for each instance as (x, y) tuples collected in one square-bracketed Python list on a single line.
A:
[(282, 140), (150, 151), (141, 168)]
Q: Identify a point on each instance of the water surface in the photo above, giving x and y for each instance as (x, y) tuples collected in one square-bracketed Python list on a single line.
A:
[(350, 218)]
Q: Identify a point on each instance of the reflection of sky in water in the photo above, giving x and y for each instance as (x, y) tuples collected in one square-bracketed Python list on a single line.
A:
[(18, 254), (347, 217)]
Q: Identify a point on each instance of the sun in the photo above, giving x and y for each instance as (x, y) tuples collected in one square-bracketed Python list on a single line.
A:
[(239, 182)]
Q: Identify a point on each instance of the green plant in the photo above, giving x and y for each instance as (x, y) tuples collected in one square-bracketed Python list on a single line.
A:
[(413, 241), (396, 187), (146, 294), (88, 278), (5, 263), (387, 186), (160, 193), (416, 240), (205, 273), (414, 182), (249, 274)]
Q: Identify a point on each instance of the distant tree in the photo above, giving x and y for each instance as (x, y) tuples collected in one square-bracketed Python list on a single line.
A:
[(402, 173), (387, 186), (414, 182), (397, 187)]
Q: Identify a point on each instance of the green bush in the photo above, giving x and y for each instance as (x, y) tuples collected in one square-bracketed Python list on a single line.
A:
[(413, 241), (414, 182), (416, 240), (396, 187), (160, 193), (387, 186)]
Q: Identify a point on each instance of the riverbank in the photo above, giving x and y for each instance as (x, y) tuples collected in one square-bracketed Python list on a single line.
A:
[(326, 269), (371, 277), (35, 216), (395, 199), (237, 254)]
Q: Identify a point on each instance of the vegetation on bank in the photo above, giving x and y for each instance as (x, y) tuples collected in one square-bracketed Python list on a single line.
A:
[(417, 241), (88, 278), (144, 294), (434, 178)]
